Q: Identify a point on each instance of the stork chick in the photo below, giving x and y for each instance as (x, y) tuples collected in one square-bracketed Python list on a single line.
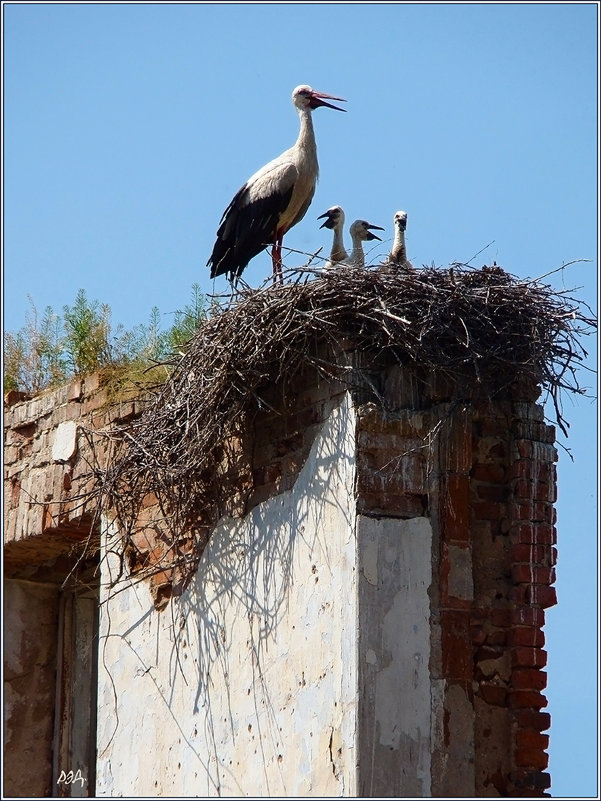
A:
[(335, 222), (361, 231), (274, 199), (398, 254)]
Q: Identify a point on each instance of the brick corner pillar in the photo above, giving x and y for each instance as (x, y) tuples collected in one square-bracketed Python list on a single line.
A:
[(456, 564)]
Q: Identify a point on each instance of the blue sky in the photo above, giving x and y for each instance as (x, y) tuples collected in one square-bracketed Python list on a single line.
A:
[(128, 128)]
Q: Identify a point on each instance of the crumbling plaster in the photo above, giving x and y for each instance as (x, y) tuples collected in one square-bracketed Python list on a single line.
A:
[(250, 675)]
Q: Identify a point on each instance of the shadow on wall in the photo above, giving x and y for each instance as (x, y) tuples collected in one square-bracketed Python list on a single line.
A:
[(252, 612)]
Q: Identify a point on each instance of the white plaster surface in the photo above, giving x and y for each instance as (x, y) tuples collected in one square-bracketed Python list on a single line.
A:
[(394, 652), (246, 685), (65, 441)]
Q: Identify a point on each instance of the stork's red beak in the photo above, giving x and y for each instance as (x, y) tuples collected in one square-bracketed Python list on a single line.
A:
[(318, 99)]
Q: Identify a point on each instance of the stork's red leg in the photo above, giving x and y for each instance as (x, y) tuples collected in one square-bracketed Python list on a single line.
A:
[(276, 257)]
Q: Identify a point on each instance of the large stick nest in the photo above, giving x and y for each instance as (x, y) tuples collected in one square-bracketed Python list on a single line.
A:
[(478, 327)]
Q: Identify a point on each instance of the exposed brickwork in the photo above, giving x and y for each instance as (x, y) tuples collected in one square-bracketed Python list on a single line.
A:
[(488, 483), (483, 472), (514, 472), (532, 477), (45, 511)]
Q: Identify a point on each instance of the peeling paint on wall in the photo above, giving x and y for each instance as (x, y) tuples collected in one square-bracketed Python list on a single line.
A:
[(246, 684)]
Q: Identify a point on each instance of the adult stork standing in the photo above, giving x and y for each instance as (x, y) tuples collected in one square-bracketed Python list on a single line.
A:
[(398, 254), (274, 199), (361, 231), (335, 222)]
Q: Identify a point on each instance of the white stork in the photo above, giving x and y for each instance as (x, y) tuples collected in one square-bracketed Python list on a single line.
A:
[(335, 222), (361, 231), (398, 254), (274, 199)]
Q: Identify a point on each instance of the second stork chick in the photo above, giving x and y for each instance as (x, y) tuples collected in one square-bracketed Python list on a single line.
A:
[(361, 231)]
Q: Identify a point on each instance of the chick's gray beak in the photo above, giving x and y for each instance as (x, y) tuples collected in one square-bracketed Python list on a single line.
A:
[(329, 223), (373, 228)]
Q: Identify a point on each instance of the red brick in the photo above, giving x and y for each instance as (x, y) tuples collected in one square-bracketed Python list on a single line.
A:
[(526, 699), (487, 652), (530, 779), (529, 719), (487, 510), (544, 512), (528, 679), (536, 512), (523, 489), (528, 532), (522, 469), (533, 595), (541, 781), (528, 738), (541, 595), (533, 554), (491, 473), (455, 510), (456, 645), (491, 492), (532, 758), (528, 657), (522, 510), (522, 533), (493, 694), (529, 636), (501, 617), (532, 491), (528, 616), (525, 448), (532, 574), (498, 637), (519, 595)]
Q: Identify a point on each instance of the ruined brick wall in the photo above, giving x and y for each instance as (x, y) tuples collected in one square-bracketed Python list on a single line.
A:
[(488, 483), (48, 466), (482, 473)]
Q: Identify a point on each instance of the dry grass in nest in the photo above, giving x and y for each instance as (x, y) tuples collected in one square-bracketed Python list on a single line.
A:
[(475, 326)]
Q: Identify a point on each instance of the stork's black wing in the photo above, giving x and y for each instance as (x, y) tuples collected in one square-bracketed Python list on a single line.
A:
[(249, 223)]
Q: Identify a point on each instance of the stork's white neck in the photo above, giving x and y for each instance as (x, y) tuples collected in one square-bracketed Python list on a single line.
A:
[(399, 251), (305, 143), (338, 252), (357, 256)]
